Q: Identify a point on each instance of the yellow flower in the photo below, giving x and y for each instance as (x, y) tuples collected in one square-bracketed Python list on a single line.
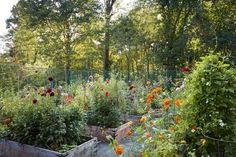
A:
[(183, 142), (203, 141), (143, 119)]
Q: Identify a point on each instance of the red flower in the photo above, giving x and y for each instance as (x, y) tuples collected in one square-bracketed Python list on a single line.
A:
[(107, 94), (131, 87), (49, 90), (52, 94), (35, 101), (50, 78), (43, 94), (107, 81), (186, 69)]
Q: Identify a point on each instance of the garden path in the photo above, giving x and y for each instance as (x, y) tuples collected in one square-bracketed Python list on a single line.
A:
[(105, 151)]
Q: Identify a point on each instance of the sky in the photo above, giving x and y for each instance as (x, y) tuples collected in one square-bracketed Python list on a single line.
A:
[(5, 13)]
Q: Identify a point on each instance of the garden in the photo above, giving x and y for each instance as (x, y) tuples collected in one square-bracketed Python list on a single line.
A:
[(135, 78), (195, 117)]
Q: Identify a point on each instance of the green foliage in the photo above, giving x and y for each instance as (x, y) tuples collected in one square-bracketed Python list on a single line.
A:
[(107, 102), (40, 117), (211, 104), (46, 126)]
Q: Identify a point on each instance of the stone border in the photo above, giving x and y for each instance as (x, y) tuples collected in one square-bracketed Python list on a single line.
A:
[(101, 133), (14, 149)]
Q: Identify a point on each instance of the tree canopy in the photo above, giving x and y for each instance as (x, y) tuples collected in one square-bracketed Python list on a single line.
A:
[(89, 34)]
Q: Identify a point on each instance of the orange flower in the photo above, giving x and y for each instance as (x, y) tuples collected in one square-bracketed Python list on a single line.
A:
[(166, 104), (152, 123), (140, 154), (171, 130), (129, 133), (178, 102), (143, 119), (156, 90), (150, 97), (177, 119), (194, 127), (119, 150), (149, 101), (130, 155), (68, 98), (147, 135)]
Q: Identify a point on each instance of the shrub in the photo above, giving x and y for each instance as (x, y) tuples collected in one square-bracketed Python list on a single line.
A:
[(46, 126), (106, 103), (39, 117), (211, 107)]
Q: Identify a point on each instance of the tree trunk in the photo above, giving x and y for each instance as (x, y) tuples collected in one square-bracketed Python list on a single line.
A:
[(128, 67), (107, 63)]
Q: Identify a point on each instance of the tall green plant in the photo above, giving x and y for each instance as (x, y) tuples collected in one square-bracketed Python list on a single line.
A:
[(210, 113)]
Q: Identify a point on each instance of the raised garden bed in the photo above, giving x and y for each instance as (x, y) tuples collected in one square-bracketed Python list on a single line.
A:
[(135, 118), (14, 149), (118, 133)]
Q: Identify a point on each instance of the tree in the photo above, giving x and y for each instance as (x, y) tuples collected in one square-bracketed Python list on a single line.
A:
[(108, 14), (57, 24)]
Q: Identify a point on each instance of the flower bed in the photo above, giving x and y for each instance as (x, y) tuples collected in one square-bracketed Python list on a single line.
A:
[(11, 148), (117, 133)]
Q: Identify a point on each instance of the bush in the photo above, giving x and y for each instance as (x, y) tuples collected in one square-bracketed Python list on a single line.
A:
[(211, 106), (106, 103), (46, 126), (40, 117)]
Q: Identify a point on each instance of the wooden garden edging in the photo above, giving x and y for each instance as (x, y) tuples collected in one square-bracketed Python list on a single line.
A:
[(14, 149)]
